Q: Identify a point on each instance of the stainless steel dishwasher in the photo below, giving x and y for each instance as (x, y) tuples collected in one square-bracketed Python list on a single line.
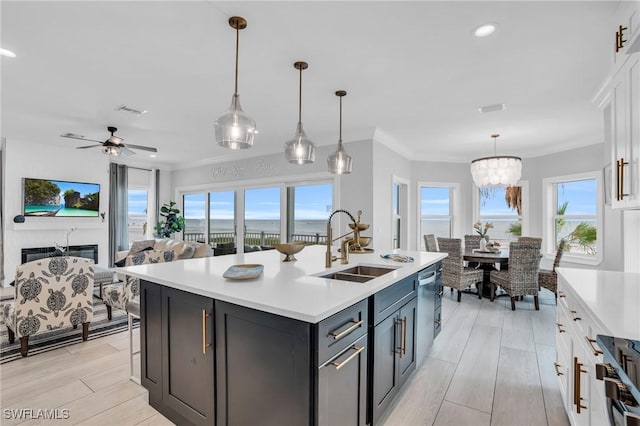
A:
[(429, 308)]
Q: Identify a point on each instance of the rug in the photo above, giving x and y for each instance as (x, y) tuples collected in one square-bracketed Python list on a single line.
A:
[(49, 340)]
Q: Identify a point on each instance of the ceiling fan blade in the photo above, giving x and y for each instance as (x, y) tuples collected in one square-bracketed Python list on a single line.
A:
[(88, 146), (144, 148), (72, 136), (126, 151)]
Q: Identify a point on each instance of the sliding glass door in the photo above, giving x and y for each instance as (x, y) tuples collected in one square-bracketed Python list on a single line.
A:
[(222, 217), (261, 217)]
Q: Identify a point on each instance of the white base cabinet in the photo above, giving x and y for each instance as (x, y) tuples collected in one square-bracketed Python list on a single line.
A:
[(576, 357)]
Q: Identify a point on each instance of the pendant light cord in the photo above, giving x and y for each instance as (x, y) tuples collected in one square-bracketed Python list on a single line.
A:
[(237, 49), (340, 140), (300, 99)]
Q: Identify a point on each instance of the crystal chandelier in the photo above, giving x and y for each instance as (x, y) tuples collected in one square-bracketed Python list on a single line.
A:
[(235, 129), (300, 149), (499, 170), (340, 162)]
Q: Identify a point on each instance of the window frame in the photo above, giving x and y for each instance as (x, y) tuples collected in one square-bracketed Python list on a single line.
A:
[(454, 209), (147, 190), (525, 217), (549, 205), (239, 188)]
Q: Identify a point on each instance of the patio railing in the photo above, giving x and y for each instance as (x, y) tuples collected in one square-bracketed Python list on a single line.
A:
[(254, 238)]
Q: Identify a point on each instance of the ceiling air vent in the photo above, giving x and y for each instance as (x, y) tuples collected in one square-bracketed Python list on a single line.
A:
[(71, 135), (492, 108), (125, 108)]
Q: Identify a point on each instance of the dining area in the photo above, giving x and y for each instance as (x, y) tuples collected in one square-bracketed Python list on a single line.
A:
[(490, 270)]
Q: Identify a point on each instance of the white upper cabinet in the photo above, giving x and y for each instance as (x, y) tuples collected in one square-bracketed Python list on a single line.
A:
[(620, 101)]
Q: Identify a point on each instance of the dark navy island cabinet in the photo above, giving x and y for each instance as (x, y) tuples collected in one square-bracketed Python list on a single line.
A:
[(209, 362)]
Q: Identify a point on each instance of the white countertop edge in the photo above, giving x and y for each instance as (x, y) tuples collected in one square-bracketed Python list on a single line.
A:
[(369, 288)]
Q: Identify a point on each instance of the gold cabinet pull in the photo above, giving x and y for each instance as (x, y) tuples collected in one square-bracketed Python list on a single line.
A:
[(617, 180), (622, 164), (557, 367), (577, 398), (343, 333), (339, 365), (575, 316), (560, 330), (205, 314), (595, 350)]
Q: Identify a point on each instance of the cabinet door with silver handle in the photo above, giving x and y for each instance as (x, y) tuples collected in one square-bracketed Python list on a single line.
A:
[(342, 387)]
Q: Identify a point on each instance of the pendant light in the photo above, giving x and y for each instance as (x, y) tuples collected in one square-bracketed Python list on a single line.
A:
[(340, 162), (235, 129), (499, 170), (300, 150)]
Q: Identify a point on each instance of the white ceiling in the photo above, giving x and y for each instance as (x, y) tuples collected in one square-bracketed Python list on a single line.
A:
[(414, 74)]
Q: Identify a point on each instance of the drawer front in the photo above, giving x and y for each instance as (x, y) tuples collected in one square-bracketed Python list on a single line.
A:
[(342, 329), (389, 300)]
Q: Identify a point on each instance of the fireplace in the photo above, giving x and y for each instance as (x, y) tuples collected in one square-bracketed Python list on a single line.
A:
[(90, 251)]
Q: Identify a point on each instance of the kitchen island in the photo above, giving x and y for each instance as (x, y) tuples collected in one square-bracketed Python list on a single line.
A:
[(289, 347)]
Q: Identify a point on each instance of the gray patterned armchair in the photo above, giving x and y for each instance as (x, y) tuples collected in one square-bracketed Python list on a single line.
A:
[(118, 295), (521, 279), (50, 293)]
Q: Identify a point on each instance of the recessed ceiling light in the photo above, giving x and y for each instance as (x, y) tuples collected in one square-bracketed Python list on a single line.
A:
[(7, 53), (485, 29), (152, 155)]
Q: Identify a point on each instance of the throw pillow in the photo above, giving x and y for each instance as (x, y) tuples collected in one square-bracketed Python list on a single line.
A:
[(161, 243), (138, 246), (188, 250), (203, 250)]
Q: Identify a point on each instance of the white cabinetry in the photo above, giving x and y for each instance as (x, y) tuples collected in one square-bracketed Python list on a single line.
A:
[(625, 31), (624, 105), (576, 356)]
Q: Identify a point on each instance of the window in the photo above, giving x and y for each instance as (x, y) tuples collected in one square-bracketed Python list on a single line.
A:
[(222, 217), (261, 217), (308, 207), (502, 207), (438, 208), (194, 212), (574, 214), (251, 218), (137, 202)]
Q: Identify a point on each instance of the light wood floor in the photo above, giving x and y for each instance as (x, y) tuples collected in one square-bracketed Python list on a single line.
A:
[(488, 366)]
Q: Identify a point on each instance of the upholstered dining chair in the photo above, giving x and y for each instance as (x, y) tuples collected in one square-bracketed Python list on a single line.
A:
[(50, 293), (430, 242), (549, 278), (454, 273), (119, 294), (521, 279)]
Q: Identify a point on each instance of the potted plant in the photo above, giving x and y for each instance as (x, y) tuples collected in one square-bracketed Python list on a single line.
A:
[(172, 222)]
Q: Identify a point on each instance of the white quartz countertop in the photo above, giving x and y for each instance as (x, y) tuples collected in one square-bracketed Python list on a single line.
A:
[(613, 298), (290, 289)]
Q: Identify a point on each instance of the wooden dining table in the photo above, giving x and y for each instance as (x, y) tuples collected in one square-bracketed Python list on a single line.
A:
[(487, 261)]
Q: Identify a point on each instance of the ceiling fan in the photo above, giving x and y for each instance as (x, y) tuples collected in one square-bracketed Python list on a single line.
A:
[(114, 145)]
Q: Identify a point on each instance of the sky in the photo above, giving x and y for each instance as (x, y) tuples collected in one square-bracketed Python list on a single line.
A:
[(580, 194), (312, 202)]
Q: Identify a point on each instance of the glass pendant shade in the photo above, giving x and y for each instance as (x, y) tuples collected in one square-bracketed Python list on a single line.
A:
[(496, 171), (235, 129), (340, 163), (300, 149)]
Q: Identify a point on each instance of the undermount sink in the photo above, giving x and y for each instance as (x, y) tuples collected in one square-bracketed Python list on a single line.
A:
[(359, 274)]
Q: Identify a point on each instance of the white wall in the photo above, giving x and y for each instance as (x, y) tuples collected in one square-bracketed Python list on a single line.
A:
[(39, 160), (354, 191), (586, 159), (387, 164)]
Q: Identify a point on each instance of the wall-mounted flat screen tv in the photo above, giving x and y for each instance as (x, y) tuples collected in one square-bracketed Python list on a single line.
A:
[(58, 198)]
